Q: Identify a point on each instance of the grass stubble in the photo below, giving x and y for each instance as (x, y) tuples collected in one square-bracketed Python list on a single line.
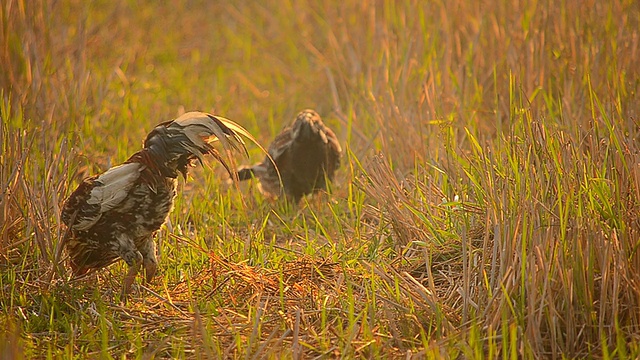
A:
[(487, 205)]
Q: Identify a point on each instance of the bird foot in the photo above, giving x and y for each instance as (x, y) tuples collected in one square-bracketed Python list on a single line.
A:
[(150, 268)]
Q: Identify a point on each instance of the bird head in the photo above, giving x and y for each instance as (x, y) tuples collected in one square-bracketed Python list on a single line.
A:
[(172, 145), (308, 124)]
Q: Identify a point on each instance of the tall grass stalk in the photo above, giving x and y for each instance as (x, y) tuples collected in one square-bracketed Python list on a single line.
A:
[(487, 205)]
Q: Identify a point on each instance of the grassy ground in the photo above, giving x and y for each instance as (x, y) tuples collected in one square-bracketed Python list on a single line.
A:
[(488, 205)]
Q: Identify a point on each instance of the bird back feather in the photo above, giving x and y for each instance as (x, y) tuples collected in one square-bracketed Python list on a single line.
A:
[(299, 158)]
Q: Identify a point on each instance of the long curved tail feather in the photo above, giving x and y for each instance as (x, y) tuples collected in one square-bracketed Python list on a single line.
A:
[(191, 136)]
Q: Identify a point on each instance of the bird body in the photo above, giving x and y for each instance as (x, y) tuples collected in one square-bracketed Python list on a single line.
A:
[(115, 214), (118, 213), (306, 154)]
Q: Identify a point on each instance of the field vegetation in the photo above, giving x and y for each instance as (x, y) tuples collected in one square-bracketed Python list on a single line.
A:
[(488, 203)]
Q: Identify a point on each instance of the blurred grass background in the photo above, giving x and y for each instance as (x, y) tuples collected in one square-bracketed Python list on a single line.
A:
[(487, 206)]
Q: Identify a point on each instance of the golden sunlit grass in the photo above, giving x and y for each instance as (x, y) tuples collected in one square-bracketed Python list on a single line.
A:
[(487, 205)]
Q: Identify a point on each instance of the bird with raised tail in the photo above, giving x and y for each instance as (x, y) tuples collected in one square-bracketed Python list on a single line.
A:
[(304, 155), (115, 215)]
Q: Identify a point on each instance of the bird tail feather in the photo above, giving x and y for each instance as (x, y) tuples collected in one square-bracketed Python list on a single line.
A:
[(245, 173), (203, 129)]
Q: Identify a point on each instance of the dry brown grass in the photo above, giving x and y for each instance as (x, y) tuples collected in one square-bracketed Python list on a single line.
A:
[(488, 205)]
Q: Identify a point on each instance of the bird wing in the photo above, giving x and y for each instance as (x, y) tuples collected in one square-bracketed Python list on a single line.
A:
[(281, 144), (331, 139), (100, 194), (334, 151)]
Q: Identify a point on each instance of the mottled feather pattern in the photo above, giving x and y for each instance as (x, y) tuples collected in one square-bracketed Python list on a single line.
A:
[(305, 153), (137, 217), (115, 215), (112, 187)]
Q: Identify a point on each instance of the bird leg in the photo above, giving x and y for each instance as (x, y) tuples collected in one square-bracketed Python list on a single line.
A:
[(128, 252), (149, 259), (131, 274)]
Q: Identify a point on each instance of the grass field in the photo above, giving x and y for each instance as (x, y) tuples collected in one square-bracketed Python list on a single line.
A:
[(488, 205)]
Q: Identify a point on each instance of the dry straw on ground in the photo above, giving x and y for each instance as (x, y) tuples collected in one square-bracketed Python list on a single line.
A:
[(487, 206)]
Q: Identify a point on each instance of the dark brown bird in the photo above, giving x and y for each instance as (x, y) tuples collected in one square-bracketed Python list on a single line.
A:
[(306, 153), (114, 215)]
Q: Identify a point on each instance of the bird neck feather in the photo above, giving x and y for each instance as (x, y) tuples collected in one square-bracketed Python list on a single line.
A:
[(158, 162)]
